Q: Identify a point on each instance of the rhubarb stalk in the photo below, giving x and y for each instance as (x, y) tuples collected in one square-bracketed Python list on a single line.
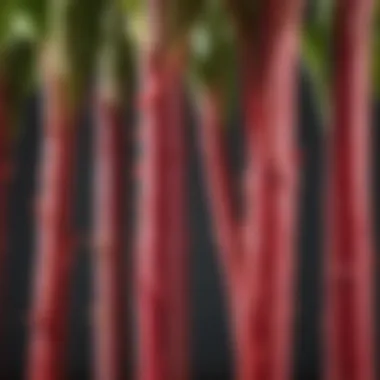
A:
[(109, 282), (152, 264), (177, 214), (110, 208), (163, 260), (257, 252), (272, 190), (54, 235), (349, 346), (162, 251)]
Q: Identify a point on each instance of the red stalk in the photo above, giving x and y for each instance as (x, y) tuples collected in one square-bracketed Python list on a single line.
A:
[(176, 206), (152, 264), (48, 333), (162, 252), (348, 288), (162, 255), (109, 281), (262, 286), (273, 171)]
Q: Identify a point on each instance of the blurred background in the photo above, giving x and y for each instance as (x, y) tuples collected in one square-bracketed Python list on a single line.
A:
[(211, 348)]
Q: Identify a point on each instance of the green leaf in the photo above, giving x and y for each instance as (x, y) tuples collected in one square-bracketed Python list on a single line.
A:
[(115, 63), (316, 50), (36, 10), (178, 18), (245, 13), (315, 56), (19, 35), (323, 13), (19, 71), (212, 44), (181, 16), (136, 20), (213, 58), (83, 24), (16, 23)]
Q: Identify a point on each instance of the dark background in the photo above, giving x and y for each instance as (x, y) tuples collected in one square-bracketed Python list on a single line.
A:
[(211, 353)]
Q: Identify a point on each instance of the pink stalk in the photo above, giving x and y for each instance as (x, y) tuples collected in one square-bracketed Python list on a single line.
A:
[(259, 258), (48, 335), (273, 172), (162, 252), (162, 255), (152, 264), (349, 345), (109, 206), (177, 212)]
